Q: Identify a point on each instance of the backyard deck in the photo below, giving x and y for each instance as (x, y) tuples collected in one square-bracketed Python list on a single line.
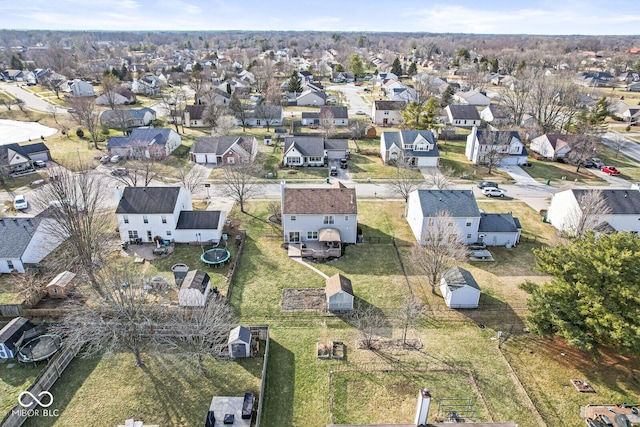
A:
[(318, 250)]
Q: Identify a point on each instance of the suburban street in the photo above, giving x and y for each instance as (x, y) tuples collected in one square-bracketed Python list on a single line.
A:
[(32, 101), (630, 149)]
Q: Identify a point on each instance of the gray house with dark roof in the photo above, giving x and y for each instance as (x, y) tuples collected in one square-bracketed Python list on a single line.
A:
[(224, 150), (313, 150), (414, 147), (145, 213), (127, 119), (472, 225), (145, 143), (463, 115)]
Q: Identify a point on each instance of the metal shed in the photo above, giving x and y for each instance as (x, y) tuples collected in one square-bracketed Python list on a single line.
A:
[(239, 342)]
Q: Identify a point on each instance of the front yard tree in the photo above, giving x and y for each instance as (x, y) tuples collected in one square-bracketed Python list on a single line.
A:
[(295, 82), (586, 142), (396, 67), (86, 115), (441, 248), (240, 111), (192, 178), (592, 207), (495, 147), (239, 181), (356, 66), (327, 122), (593, 299), (109, 85), (404, 180)]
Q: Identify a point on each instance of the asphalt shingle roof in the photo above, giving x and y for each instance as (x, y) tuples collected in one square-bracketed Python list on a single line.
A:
[(38, 147), (390, 105), (458, 203), (409, 136), (498, 223), (468, 112), (337, 283), (621, 202), (457, 277), (320, 201), (198, 220), (220, 144), (148, 200), (15, 235), (310, 146)]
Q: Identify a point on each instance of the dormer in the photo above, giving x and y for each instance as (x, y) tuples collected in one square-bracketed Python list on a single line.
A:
[(421, 144)]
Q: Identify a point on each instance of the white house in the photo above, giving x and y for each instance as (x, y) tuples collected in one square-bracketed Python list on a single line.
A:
[(338, 116), (313, 150), (78, 87), (147, 212), (26, 241), (459, 289), (127, 119), (224, 150), (552, 145), (195, 289), (463, 115), (497, 115), (263, 115), (306, 211), (387, 113), (480, 145), (193, 116), (239, 342), (567, 209), (311, 98), (415, 147), (146, 143), (472, 225), (472, 97), (339, 293)]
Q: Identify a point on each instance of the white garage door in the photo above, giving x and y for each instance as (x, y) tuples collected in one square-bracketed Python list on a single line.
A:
[(335, 154)]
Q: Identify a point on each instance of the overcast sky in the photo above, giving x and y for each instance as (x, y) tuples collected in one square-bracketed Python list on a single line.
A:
[(606, 17)]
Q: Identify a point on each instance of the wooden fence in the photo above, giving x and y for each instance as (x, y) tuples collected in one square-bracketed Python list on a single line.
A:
[(263, 333)]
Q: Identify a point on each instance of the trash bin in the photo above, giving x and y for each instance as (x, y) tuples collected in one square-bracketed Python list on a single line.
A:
[(548, 182), (328, 180)]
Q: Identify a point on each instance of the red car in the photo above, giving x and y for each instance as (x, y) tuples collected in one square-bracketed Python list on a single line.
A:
[(611, 170)]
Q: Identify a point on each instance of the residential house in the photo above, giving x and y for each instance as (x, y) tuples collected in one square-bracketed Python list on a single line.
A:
[(497, 115), (342, 77), (459, 289), (35, 151), (144, 213), (566, 210), (472, 97), (239, 342), (415, 147), (634, 87), (127, 119), (387, 113), (339, 292), (311, 98), (308, 211), (310, 118), (195, 289), (147, 143), (463, 115), (214, 96), (339, 116), (313, 150), (481, 145), (10, 334), (263, 115), (625, 112), (12, 75), (472, 225), (61, 285), (121, 96), (224, 150), (552, 146), (77, 87), (24, 242), (147, 85), (193, 116), (14, 159)]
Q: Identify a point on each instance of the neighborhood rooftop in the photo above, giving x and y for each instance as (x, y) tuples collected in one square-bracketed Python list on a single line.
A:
[(621, 202), (148, 200), (332, 200), (15, 235), (458, 203)]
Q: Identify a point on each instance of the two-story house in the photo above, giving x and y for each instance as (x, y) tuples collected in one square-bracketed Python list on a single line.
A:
[(313, 150), (415, 147), (481, 146), (144, 213), (337, 116), (472, 225), (387, 113), (309, 213), (463, 115)]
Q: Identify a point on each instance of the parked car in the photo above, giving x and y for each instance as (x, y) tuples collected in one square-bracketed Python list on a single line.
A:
[(605, 420), (333, 171), (105, 159), (115, 159), (597, 163), (587, 163), (611, 170), (40, 164), (486, 184), (493, 192), (361, 113), (19, 202), (120, 172), (60, 203), (622, 420), (343, 163)]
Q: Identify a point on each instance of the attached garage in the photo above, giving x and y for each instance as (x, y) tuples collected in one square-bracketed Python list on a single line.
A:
[(37, 151)]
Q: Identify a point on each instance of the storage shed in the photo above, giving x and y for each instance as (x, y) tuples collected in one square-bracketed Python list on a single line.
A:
[(339, 293), (459, 289), (195, 289), (60, 285), (11, 334), (239, 342)]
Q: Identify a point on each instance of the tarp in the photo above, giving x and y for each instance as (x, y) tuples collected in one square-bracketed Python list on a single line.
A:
[(329, 235)]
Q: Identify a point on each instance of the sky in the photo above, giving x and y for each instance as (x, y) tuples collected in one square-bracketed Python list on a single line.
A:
[(559, 17)]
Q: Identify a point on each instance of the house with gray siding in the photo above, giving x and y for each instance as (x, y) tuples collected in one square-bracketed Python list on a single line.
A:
[(415, 147)]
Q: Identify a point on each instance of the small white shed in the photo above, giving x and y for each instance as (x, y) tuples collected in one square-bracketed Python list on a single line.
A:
[(239, 342), (459, 289), (194, 290), (339, 293)]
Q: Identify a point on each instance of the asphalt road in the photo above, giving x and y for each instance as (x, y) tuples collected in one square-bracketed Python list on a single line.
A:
[(356, 103), (31, 100), (630, 148)]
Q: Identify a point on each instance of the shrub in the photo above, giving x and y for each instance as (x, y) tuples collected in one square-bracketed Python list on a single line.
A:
[(79, 133)]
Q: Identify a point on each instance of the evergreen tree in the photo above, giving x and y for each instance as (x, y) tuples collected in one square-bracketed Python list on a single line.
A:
[(396, 67), (356, 66), (413, 69), (295, 82), (16, 63), (447, 96), (494, 65)]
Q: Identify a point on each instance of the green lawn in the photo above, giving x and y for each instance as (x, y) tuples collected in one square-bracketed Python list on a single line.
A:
[(13, 381), (555, 171)]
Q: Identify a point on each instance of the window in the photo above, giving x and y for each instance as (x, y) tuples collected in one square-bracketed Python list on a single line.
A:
[(294, 236), (258, 122), (168, 232), (145, 219), (133, 234), (125, 218), (328, 219), (164, 219), (292, 160), (231, 160), (346, 217), (312, 235), (292, 218), (468, 223), (10, 264), (468, 236)]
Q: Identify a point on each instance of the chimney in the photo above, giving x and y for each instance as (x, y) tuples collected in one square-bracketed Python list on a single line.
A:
[(422, 410), (118, 192)]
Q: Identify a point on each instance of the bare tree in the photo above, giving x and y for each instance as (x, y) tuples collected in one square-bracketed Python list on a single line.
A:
[(516, 98), (584, 145), (140, 172), (173, 103), (85, 114), (493, 146), (275, 210), (53, 82), (404, 181), (592, 206), (225, 125), (369, 321), (192, 178), (408, 315), (545, 101), (357, 129), (241, 112), (269, 113), (440, 248), (618, 142), (75, 202), (213, 113), (30, 286), (239, 181), (109, 85), (440, 178), (327, 122)]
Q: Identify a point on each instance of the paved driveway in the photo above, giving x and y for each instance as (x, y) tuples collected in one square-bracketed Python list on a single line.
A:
[(356, 103)]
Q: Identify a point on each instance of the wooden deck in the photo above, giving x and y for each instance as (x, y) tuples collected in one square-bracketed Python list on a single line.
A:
[(318, 250)]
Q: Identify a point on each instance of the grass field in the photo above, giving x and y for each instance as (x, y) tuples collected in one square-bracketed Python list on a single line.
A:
[(14, 379)]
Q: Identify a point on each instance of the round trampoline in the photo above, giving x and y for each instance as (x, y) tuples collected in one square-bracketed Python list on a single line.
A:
[(215, 256), (40, 348)]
